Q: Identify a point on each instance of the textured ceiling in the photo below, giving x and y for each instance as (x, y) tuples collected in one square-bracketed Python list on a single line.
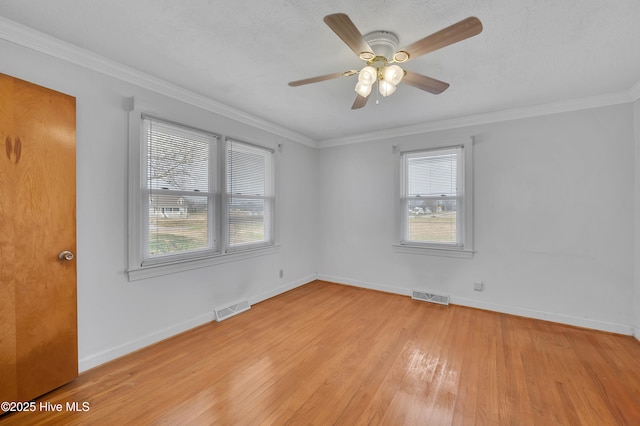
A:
[(243, 53)]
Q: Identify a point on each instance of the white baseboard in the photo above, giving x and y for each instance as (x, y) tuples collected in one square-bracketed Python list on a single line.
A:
[(282, 289), (495, 307), (636, 333), (110, 354), (593, 324), (363, 284)]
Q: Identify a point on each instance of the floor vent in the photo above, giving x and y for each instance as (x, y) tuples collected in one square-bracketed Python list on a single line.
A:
[(430, 297), (229, 311)]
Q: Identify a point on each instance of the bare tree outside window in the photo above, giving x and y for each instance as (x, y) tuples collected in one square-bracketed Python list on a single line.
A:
[(178, 181)]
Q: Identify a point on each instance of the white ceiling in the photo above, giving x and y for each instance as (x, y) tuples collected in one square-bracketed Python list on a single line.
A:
[(243, 53)]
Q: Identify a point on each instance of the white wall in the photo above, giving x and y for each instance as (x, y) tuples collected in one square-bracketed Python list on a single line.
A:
[(636, 111), (553, 219), (116, 316)]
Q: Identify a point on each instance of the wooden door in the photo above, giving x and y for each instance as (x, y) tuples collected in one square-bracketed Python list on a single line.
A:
[(38, 307)]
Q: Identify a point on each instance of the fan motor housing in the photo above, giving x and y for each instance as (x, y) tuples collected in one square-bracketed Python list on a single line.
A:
[(383, 43)]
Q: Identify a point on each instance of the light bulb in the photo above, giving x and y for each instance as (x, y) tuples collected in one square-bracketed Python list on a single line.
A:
[(367, 76), (393, 74), (363, 89), (386, 88)]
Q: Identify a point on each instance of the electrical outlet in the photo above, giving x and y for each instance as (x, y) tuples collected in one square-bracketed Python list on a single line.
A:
[(281, 273), (478, 286)]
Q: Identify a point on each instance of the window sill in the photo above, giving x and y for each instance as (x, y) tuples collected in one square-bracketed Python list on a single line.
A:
[(151, 271), (431, 251)]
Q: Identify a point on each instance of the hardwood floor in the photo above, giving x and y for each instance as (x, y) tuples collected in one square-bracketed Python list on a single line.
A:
[(330, 354)]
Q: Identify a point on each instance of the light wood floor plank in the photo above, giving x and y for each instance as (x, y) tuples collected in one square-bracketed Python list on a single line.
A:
[(331, 354)]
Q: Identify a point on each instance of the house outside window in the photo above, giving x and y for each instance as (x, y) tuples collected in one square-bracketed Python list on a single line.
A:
[(180, 192)]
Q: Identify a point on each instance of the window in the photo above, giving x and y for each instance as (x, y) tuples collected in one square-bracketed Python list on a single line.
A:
[(249, 197), (433, 190), (196, 198), (435, 199), (179, 195)]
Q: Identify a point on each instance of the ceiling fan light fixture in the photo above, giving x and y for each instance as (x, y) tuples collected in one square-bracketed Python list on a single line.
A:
[(363, 90), (393, 74), (367, 76), (385, 88), (376, 47)]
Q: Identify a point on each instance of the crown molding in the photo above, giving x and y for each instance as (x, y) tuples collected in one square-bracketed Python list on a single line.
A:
[(40, 42), (488, 118)]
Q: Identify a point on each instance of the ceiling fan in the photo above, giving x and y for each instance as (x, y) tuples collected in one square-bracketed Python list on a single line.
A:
[(379, 49)]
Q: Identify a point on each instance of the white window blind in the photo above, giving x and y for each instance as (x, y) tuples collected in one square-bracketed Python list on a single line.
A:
[(250, 196), (433, 197), (179, 194)]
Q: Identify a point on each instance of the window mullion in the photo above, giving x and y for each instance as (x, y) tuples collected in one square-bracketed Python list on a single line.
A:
[(213, 189)]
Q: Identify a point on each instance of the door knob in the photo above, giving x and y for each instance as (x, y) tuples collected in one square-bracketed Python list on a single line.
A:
[(65, 255)]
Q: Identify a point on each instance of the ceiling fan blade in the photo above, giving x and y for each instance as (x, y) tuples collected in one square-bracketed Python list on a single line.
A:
[(360, 102), (452, 34), (342, 25), (423, 82), (322, 78)]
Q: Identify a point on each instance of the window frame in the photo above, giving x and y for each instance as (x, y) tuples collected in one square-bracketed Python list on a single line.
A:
[(138, 268), (212, 195), (463, 247)]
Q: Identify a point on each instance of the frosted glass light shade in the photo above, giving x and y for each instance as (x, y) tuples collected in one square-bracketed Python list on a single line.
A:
[(367, 76), (386, 88), (393, 74), (363, 89)]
